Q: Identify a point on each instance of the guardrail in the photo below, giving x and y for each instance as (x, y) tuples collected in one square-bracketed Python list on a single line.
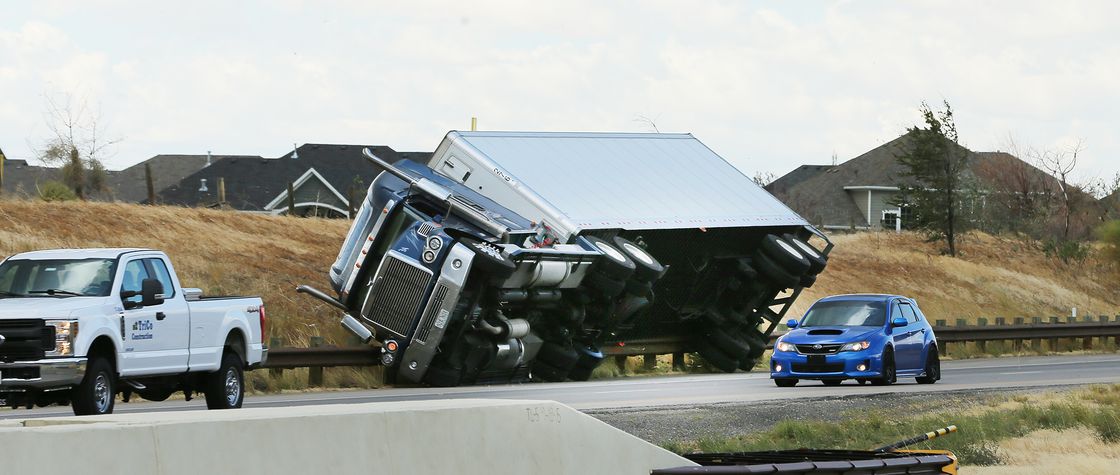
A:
[(1050, 331)]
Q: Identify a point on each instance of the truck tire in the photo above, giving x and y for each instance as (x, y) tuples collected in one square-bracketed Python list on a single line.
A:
[(816, 260), (808, 280), (747, 365), (785, 255), (589, 359), (717, 358), (775, 274), (755, 339), (638, 288), (97, 393), (614, 263), (744, 271), (489, 258), (646, 267), (443, 377), (225, 388), (547, 372), (558, 356), (729, 344), (609, 287)]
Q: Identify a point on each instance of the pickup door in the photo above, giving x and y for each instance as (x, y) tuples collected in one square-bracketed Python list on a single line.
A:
[(155, 339)]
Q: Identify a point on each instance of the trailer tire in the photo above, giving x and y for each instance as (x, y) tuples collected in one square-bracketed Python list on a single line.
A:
[(638, 287), (785, 255), (775, 274), (490, 259), (807, 280), (817, 262), (614, 263), (747, 365), (609, 287), (717, 358), (646, 267), (729, 344), (756, 339)]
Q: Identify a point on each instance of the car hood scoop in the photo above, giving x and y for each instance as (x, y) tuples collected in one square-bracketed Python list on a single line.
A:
[(826, 331)]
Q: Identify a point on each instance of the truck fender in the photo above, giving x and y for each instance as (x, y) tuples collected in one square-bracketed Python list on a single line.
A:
[(230, 324)]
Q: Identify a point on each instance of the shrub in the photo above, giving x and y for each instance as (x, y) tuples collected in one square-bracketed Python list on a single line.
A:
[(1109, 235), (56, 191), (1065, 250)]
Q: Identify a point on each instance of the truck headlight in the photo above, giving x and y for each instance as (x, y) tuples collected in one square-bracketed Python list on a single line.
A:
[(65, 334), (783, 346), (856, 346)]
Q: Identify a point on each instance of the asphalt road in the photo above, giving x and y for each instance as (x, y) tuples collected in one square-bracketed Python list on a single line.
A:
[(1007, 372)]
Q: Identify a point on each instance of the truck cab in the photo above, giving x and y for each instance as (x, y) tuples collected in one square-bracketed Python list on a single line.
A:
[(80, 325)]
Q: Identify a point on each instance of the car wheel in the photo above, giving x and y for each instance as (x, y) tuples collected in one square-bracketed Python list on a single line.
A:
[(889, 375), (647, 269), (785, 383), (614, 263), (97, 392), (933, 368), (832, 382), (225, 388)]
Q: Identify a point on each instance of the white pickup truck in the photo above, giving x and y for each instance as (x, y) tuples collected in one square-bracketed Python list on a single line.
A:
[(79, 326)]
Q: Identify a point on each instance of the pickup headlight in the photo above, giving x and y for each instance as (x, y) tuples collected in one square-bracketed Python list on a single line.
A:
[(856, 346), (783, 346), (65, 334)]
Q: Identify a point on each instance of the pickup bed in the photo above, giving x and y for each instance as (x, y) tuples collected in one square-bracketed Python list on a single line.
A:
[(79, 326)]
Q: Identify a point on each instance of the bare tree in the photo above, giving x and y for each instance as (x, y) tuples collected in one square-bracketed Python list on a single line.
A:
[(763, 178), (649, 124), (1060, 164), (76, 145)]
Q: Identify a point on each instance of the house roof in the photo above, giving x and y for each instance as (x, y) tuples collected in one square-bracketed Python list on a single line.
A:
[(131, 185), (23, 178), (781, 186), (252, 182)]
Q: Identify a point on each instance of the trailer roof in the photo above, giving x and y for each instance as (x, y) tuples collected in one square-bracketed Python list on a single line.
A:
[(630, 181)]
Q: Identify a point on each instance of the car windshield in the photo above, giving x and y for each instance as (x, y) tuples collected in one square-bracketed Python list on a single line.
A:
[(57, 277), (846, 313)]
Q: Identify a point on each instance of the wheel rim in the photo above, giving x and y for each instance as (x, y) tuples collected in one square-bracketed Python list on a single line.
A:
[(611, 251), (638, 252), (793, 252), (102, 393), (805, 247), (233, 387)]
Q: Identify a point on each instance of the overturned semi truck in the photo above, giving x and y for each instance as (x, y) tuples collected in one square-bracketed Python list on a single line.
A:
[(512, 256)]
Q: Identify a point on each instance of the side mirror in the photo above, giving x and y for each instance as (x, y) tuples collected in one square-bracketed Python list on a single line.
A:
[(898, 322), (791, 323), (151, 292)]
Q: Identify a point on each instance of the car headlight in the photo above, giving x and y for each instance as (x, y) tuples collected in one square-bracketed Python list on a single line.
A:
[(65, 334), (856, 346), (783, 346)]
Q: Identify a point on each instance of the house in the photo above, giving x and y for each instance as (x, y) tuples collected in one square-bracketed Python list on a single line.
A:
[(858, 194), (18, 178), (131, 185), (325, 178)]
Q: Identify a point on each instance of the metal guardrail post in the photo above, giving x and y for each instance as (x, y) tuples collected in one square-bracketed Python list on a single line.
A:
[(982, 345), (1018, 344), (649, 362), (620, 361), (678, 361), (1036, 343), (1053, 342), (315, 373), (1001, 321), (275, 342)]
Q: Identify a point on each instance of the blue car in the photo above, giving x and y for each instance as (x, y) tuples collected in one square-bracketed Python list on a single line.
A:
[(870, 338)]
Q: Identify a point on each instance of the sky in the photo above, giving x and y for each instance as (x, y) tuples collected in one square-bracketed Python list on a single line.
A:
[(767, 85)]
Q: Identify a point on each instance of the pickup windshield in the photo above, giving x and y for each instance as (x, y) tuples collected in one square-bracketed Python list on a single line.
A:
[(57, 278), (846, 313)]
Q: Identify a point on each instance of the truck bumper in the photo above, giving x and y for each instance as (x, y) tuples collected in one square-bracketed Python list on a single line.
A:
[(46, 373)]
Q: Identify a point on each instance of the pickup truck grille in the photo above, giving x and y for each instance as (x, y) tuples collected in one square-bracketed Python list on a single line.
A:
[(25, 339), (396, 296)]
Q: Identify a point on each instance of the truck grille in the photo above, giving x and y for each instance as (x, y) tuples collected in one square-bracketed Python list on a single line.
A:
[(396, 296), (813, 350), (430, 313), (26, 339)]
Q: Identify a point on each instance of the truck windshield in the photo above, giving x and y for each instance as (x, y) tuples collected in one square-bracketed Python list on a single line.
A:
[(60, 278), (846, 313)]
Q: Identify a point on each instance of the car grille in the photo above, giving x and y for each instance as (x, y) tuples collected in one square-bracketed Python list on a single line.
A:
[(813, 350), (26, 339), (818, 368), (397, 294)]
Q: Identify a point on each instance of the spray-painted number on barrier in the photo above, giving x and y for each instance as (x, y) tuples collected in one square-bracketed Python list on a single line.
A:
[(546, 415)]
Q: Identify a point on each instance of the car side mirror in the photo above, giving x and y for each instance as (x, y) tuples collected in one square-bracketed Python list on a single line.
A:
[(791, 323), (898, 322), (151, 292)]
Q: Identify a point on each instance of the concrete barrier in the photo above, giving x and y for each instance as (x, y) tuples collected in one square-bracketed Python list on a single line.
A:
[(452, 436)]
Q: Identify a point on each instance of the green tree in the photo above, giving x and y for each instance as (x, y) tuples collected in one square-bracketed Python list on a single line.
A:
[(1109, 234), (936, 161), (75, 146)]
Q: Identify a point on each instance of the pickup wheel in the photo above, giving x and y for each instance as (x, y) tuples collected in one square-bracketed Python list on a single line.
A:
[(97, 392), (225, 388)]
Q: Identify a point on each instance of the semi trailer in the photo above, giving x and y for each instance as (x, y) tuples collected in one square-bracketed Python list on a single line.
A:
[(514, 256)]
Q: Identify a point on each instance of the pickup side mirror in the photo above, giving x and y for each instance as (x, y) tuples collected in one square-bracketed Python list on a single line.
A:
[(791, 323), (898, 322), (151, 292)]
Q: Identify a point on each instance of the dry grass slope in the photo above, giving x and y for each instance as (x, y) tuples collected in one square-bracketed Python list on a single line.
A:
[(220, 251), (994, 277)]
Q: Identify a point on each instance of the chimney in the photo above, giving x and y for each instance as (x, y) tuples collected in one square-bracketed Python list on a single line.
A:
[(203, 189), (295, 152), (207, 159)]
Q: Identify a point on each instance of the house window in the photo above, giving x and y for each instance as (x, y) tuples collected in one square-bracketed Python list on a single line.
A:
[(890, 218)]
